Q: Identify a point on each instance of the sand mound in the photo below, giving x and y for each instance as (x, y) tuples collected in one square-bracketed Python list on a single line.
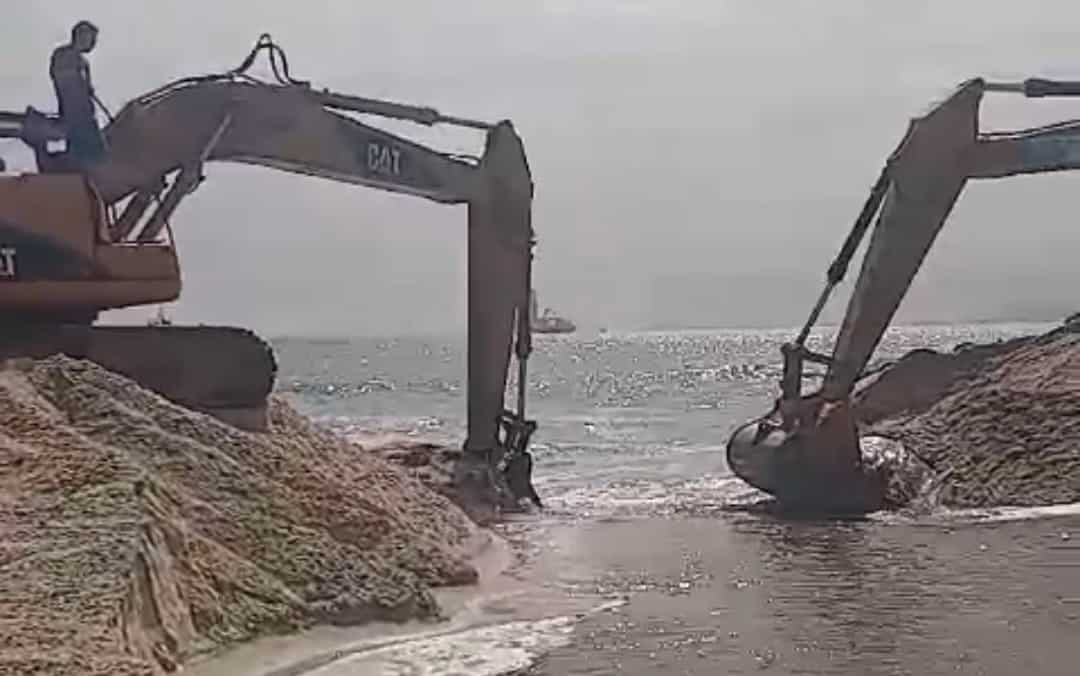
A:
[(135, 534), (998, 424)]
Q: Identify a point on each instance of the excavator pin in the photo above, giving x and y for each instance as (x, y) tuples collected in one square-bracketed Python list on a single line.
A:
[(518, 463)]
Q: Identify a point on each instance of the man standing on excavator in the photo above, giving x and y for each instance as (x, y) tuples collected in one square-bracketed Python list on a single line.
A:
[(70, 74)]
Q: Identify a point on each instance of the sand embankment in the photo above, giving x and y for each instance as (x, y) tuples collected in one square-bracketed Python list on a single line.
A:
[(135, 534), (998, 424)]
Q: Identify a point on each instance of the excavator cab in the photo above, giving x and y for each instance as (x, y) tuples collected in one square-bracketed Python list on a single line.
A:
[(67, 258), (68, 255)]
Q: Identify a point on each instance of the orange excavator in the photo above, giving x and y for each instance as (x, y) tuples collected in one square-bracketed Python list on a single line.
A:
[(806, 451), (77, 242)]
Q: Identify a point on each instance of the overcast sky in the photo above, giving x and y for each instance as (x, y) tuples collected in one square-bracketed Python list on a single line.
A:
[(696, 162)]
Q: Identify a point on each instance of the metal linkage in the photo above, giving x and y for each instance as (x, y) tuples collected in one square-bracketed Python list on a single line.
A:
[(1034, 87), (279, 66), (795, 353), (516, 430), (517, 469)]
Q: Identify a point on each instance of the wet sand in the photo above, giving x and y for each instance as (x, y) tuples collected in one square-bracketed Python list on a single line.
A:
[(501, 625), (643, 565), (749, 594), (312, 650), (992, 593)]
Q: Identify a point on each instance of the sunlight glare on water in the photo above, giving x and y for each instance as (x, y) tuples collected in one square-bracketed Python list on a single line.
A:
[(629, 458)]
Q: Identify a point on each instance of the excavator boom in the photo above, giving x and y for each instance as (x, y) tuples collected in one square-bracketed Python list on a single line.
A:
[(283, 127), (806, 450), (110, 221)]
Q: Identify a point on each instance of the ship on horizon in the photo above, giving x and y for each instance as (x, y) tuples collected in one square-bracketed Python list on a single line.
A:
[(548, 322)]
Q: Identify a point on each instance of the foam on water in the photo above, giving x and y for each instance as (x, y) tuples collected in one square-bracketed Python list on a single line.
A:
[(1023, 513), (489, 650), (988, 515), (649, 497), (486, 651)]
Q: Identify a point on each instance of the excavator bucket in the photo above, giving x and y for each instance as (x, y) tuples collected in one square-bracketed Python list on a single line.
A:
[(814, 464), (806, 451)]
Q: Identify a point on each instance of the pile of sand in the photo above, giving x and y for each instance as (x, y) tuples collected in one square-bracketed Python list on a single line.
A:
[(135, 534), (997, 424)]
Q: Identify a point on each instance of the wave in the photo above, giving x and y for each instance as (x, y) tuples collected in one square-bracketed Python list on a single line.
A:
[(488, 650)]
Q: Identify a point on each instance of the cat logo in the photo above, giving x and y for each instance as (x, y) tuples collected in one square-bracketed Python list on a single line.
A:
[(382, 159), (7, 262)]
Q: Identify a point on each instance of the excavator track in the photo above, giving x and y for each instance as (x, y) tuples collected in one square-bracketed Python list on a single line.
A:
[(223, 371)]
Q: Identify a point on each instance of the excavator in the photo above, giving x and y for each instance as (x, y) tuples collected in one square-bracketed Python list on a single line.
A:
[(806, 450), (78, 241)]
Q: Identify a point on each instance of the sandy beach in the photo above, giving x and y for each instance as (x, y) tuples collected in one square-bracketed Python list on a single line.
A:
[(650, 556), (516, 613), (741, 592)]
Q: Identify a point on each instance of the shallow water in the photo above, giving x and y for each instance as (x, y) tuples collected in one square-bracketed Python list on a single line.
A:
[(745, 593), (643, 512)]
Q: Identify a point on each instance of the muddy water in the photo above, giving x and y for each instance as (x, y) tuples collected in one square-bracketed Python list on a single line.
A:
[(648, 561), (737, 593), (743, 594)]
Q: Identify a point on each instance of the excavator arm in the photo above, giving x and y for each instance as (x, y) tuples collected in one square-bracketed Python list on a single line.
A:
[(159, 144), (284, 127), (806, 450), (296, 129)]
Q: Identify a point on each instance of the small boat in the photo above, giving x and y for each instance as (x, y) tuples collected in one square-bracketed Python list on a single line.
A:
[(548, 322)]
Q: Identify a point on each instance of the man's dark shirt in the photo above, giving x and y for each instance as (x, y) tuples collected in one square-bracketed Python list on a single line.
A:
[(70, 74)]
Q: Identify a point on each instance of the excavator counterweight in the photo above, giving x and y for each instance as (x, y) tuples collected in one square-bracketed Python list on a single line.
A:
[(76, 241), (806, 450)]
